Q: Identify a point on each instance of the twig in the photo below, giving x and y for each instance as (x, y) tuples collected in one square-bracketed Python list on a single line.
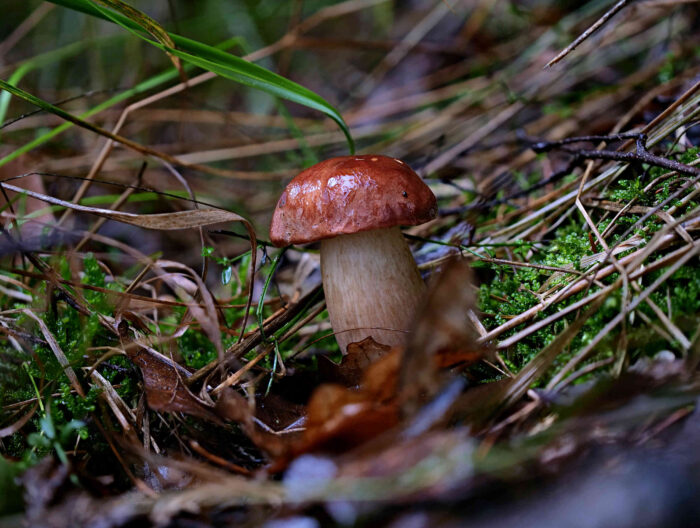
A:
[(592, 29), (642, 155), (25, 27)]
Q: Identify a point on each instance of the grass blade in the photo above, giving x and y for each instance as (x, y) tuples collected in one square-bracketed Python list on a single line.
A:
[(148, 24), (142, 87), (219, 62)]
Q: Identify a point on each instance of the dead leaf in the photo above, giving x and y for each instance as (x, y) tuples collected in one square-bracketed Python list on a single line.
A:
[(278, 413), (136, 320), (443, 336), (381, 378), (234, 407), (358, 358), (165, 387), (340, 418), (206, 314), (231, 406), (162, 221)]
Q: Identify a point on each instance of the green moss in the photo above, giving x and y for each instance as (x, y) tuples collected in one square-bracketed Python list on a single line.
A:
[(75, 334), (508, 291), (628, 190), (194, 346)]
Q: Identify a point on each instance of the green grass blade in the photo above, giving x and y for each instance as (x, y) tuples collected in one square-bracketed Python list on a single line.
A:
[(37, 62), (145, 86), (48, 107), (219, 62), (145, 22)]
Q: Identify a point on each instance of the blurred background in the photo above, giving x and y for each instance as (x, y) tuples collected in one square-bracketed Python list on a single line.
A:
[(444, 85)]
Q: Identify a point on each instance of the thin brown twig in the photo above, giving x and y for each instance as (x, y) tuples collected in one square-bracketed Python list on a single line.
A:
[(25, 27), (590, 31)]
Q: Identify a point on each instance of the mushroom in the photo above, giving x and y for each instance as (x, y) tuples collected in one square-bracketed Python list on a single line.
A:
[(354, 205)]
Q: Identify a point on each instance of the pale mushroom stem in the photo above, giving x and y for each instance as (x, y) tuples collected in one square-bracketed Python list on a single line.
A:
[(372, 286)]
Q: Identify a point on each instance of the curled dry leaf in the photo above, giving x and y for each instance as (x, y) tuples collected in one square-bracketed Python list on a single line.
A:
[(163, 222), (339, 418), (231, 406), (279, 414), (164, 383), (444, 336), (136, 320), (358, 358), (206, 314), (361, 355)]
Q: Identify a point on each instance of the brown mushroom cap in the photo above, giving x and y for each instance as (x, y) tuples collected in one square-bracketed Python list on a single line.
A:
[(349, 194)]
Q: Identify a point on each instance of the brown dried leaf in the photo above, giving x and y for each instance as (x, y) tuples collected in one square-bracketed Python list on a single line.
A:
[(206, 314), (135, 320), (443, 337), (380, 380), (339, 418), (163, 221), (354, 364), (231, 406), (361, 355), (165, 387), (278, 413)]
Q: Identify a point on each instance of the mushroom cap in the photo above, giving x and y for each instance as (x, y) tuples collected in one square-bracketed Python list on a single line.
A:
[(349, 194)]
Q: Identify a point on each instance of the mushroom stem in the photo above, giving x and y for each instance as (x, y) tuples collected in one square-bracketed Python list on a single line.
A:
[(372, 286)]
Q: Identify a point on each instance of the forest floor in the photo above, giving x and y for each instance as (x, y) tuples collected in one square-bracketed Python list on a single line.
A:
[(163, 364)]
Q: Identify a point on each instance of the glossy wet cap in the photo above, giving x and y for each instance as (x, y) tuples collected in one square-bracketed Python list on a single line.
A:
[(349, 194)]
